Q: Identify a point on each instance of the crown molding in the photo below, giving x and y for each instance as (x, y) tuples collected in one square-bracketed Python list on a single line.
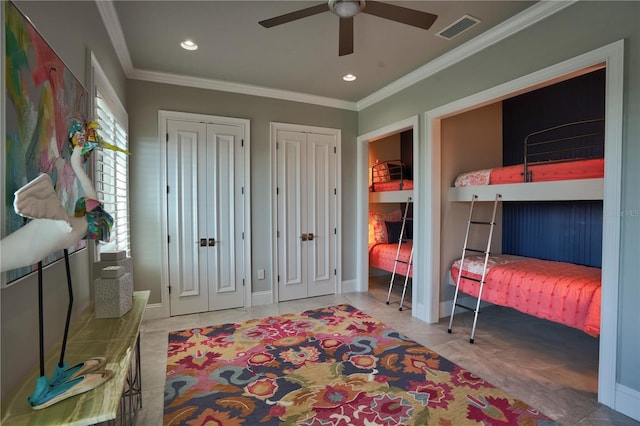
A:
[(112, 24), (516, 23), (245, 89), (524, 19)]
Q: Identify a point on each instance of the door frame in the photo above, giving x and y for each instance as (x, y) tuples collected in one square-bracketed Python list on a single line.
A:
[(163, 116), (337, 133), (362, 202)]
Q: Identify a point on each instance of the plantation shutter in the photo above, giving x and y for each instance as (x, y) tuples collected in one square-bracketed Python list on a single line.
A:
[(112, 175)]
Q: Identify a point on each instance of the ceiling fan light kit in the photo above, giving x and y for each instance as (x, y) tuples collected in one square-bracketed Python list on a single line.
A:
[(347, 9)]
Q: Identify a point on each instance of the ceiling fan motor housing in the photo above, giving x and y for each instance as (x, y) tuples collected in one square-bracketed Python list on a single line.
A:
[(346, 8)]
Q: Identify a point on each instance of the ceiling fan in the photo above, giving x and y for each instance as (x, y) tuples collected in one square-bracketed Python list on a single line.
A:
[(347, 9)]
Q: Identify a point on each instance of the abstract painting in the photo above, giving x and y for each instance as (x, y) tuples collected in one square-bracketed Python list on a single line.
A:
[(42, 98)]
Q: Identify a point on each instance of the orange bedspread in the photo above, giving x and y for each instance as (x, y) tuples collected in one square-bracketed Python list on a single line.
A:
[(394, 185), (383, 256), (579, 169), (561, 292)]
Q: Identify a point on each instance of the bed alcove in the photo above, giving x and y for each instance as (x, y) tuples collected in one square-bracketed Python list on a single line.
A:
[(395, 142), (390, 171), (438, 206)]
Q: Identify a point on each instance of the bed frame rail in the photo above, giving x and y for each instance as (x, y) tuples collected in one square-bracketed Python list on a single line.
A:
[(386, 171), (570, 141)]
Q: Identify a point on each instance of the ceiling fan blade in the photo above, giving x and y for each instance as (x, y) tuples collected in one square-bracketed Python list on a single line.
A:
[(400, 14), (288, 17), (345, 40)]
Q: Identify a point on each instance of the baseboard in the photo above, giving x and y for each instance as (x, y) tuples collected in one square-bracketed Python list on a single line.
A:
[(350, 286), (261, 298), (153, 311), (627, 401)]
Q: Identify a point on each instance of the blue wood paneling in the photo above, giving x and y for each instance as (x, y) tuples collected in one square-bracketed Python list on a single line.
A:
[(563, 231), (580, 98), (560, 230)]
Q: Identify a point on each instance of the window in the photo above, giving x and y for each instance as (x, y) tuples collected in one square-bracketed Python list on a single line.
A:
[(111, 174)]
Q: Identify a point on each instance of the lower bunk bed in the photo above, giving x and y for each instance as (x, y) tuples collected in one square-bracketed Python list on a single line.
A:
[(391, 247), (383, 256), (561, 292)]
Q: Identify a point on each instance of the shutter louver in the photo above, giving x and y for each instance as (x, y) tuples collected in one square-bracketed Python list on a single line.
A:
[(111, 176)]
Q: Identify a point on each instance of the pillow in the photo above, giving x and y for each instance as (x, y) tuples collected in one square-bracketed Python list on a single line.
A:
[(377, 229), (381, 173), (394, 229)]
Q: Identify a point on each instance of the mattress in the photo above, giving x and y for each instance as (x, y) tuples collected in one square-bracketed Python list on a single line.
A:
[(569, 170), (394, 185), (562, 292), (383, 256)]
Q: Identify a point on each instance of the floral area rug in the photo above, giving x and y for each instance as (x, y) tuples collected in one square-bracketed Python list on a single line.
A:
[(329, 366)]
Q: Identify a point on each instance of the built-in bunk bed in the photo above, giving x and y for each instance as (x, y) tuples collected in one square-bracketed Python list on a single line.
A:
[(572, 169), (390, 189)]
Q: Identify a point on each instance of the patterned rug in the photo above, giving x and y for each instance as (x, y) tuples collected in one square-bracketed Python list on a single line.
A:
[(329, 366)]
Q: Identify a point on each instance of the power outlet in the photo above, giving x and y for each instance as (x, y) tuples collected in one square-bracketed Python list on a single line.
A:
[(261, 274)]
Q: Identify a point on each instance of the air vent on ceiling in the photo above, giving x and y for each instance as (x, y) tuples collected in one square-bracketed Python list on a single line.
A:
[(459, 26)]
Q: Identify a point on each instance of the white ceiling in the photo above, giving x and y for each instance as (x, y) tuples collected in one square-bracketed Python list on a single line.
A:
[(300, 56)]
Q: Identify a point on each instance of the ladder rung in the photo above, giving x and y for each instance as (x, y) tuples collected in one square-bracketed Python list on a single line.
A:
[(402, 261), (471, 278), (475, 222), (475, 250), (464, 307)]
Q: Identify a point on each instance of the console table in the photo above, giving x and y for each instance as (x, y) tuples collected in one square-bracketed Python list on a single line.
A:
[(117, 339)]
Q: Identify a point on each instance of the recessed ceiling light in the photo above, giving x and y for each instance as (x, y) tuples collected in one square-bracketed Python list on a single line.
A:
[(189, 45), (349, 77)]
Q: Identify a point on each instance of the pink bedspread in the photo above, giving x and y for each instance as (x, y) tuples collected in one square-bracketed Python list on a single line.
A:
[(394, 185), (383, 256), (561, 292), (580, 169)]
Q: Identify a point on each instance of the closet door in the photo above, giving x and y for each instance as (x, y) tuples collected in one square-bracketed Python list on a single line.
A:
[(306, 164), (204, 171)]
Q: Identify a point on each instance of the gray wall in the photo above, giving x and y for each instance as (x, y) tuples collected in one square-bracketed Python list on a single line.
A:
[(577, 29), (70, 28), (145, 99)]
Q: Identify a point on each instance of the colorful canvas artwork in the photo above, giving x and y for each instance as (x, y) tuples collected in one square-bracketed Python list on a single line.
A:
[(42, 99)]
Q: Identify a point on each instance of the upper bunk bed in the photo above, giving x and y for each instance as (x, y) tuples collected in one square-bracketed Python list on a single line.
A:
[(563, 162), (390, 183)]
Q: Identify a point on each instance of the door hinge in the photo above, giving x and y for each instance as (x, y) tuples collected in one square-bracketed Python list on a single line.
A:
[(277, 145), (242, 190), (277, 234), (335, 272), (167, 137), (277, 191), (168, 239), (243, 235), (335, 231), (335, 191), (242, 142), (167, 189), (169, 287), (243, 282), (278, 278), (334, 150)]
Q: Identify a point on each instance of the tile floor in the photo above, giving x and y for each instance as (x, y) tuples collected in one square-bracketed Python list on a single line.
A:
[(547, 365)]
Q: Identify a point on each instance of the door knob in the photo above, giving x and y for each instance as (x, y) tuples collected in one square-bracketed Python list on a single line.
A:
[(310, 237), (212, 242), (304, 237), (203, 242)]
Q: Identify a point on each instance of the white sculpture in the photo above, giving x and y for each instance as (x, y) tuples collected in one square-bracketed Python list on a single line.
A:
[(51, 229)]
